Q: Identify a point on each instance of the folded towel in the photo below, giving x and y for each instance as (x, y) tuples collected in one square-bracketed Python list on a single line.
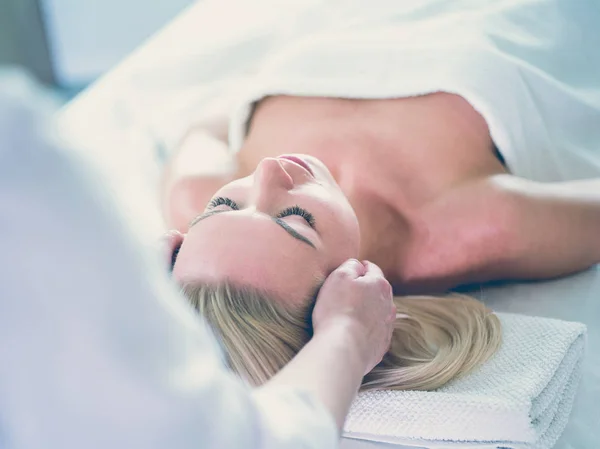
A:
[(520, 398)]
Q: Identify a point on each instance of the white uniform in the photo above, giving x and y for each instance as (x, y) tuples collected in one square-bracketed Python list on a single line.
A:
[(97, 349)]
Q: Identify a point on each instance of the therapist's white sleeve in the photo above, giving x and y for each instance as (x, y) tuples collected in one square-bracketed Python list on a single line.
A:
[(97, 348)]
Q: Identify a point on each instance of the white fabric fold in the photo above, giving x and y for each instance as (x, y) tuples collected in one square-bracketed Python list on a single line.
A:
[(521, 398), (529, 67)]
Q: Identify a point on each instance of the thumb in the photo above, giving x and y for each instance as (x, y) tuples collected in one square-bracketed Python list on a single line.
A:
[(351, 268)]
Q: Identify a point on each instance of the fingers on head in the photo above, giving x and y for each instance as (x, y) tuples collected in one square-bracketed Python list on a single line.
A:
[(388, 290), (351, 269), (368, 271), (382, 285), (393, 313), (372, 270), (374, 274)]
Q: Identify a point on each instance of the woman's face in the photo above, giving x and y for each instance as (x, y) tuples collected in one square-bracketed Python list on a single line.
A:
[(282, 229)]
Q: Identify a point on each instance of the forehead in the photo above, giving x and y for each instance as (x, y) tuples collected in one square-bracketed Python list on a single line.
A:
[(248, 250)]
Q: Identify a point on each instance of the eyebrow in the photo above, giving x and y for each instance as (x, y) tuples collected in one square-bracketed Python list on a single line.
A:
[(291, 231)]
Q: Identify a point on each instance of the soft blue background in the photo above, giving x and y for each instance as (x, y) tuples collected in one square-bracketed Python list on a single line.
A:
[(88, 37)]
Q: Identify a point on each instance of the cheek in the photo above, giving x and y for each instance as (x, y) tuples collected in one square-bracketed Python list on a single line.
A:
[(351, 235), (344, 238)]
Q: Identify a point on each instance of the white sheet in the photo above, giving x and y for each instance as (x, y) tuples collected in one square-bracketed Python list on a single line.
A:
[(536, 85), (123, 148)]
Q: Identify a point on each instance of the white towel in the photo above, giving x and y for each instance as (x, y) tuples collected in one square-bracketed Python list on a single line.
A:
[(521, 398), (531, 68)]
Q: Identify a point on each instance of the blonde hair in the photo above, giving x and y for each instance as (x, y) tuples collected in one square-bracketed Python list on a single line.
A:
[(435, 340)]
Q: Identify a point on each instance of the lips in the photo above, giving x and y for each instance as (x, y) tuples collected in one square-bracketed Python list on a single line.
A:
[(298, 161)]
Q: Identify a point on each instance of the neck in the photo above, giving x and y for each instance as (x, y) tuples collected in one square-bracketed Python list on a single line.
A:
[(394, 159), (386, 211), (388, 219)]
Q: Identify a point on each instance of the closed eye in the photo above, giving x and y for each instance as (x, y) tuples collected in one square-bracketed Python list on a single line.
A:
[(223, 201), (297, 210), (293, 210), (291, 231)]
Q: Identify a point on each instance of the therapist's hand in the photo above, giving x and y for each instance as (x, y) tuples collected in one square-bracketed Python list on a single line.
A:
[(358, 296)]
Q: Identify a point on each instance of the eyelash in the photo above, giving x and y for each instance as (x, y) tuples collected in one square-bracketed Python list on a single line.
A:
[(297, 210), (220, 201), (294, 210)]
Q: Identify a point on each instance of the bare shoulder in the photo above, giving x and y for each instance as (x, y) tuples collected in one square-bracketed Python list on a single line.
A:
[(464, 236), (200, 166)]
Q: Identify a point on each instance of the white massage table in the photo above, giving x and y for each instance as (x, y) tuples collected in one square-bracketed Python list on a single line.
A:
[(100, 118)]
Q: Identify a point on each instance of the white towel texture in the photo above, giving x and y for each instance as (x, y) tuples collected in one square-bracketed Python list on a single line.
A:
[(521, 398)]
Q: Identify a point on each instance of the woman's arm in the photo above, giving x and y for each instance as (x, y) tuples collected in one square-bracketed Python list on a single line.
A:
[(198, 168), (504, 228), (556, 226)]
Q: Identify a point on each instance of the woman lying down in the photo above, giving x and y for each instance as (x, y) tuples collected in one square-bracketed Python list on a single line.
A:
[(447, 167)]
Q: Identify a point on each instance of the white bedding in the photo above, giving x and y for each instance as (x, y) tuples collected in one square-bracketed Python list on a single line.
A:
[(576, 298), (123, 147)]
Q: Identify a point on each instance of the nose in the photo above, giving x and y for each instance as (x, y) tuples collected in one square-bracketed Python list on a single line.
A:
[(270, 180)]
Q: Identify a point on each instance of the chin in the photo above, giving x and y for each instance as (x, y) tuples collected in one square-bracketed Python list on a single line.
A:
[(316, 164)]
